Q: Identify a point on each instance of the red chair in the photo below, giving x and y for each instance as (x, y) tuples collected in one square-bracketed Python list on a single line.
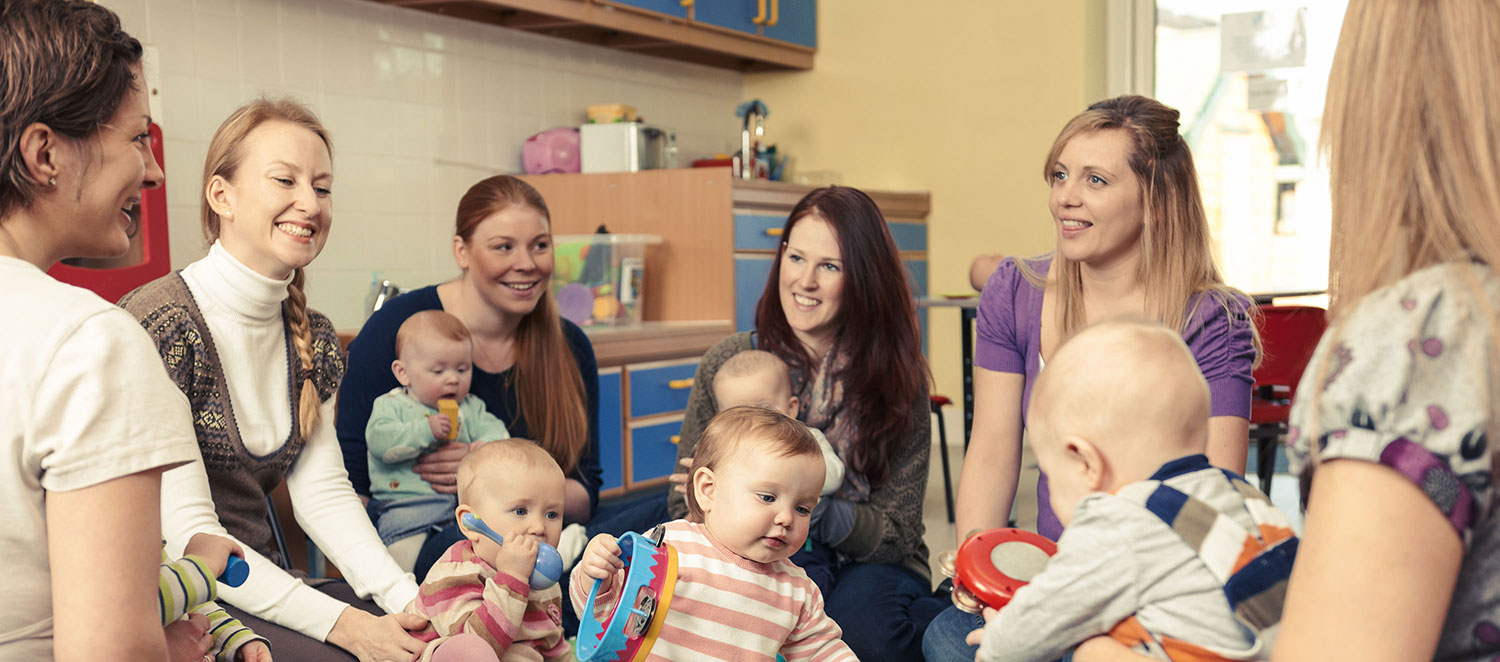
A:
[(1288, 336)]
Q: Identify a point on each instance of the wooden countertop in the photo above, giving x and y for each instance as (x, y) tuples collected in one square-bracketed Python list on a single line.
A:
[(648, 341), (655, 341)]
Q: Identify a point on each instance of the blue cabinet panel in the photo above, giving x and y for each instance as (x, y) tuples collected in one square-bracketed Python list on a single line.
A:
[(796, 22), (660, 390), (669, 7), (732, 14), (750, 274), (909, 236), (652, 451), (916, 271), (757, 232), (611, 431)]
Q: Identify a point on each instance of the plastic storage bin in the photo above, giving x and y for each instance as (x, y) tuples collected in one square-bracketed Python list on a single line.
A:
[(597, 278)]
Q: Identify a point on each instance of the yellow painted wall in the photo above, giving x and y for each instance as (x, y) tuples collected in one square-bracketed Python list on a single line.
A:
[(958, 97)]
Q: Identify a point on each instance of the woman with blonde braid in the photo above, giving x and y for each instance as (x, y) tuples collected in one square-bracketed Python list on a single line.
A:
[(222, 325)]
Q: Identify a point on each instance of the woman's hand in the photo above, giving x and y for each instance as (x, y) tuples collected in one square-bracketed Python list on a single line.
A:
[(374, 638), (254, 651), (188, 639), (440, 467), (679, 480)]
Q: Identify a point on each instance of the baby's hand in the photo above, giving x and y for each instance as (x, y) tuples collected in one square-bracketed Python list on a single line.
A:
[(517, 557), (214, 550), (601, 559), (254, 651), (440, 426)]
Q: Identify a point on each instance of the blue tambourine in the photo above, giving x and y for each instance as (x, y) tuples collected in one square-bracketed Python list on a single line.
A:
[(635, 622)]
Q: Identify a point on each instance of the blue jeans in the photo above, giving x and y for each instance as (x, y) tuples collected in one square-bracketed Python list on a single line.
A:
[(883, 609), (408, 516), (944, 641)]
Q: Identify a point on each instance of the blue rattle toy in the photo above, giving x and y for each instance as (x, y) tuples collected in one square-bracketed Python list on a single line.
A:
[(635, 622), (549, 565), (235, 571)]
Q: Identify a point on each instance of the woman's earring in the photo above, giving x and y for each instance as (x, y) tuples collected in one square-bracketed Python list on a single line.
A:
[(51, 181)]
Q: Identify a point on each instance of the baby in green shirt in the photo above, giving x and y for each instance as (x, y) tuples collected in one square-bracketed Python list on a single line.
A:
[(434, 363)]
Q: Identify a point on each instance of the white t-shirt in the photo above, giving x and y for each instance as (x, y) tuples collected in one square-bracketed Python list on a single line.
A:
[(84, 399)]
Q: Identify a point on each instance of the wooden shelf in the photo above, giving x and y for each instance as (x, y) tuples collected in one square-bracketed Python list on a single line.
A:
[(655, 341), (627, 29)]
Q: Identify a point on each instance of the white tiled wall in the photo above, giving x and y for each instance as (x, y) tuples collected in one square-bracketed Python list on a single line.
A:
[(420, 106)]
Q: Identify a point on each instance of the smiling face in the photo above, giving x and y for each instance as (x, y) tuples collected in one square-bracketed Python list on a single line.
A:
[(759, 503), (1096, 200), (435, 368), (508, 259), (276, 211), (812, 282), (106, 179)]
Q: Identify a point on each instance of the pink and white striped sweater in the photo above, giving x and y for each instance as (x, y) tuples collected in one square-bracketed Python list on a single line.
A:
[(726, 607), (464, 593)]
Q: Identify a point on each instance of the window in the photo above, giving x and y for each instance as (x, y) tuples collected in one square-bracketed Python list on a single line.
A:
[(1249, 77)]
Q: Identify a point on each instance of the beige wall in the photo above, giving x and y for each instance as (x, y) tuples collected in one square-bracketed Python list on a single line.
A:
[(961, 98)]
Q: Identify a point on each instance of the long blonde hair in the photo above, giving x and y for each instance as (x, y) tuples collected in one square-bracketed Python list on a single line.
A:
[(548, 384), (1177, 264), (1411, 127), (224, 154)]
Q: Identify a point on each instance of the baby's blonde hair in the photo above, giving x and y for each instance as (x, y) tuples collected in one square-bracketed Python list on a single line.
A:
[(500, 458), (1125, 379), (431, 324)]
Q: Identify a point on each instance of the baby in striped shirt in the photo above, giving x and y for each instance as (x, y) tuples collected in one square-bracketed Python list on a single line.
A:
[(755, 479), (477, 597)]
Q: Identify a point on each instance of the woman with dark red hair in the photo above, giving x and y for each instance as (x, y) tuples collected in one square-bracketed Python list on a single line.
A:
[(838, 310)]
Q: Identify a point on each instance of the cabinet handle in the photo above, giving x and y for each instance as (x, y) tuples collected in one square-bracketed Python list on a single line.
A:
[(775, 13), (760, 19), (679, 384), (675, 439), (774, 232), (686, 3)]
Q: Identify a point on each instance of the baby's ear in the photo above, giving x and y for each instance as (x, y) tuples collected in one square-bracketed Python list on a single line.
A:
[(704, 485), (399, 370), (1091, 462), (458, 516)]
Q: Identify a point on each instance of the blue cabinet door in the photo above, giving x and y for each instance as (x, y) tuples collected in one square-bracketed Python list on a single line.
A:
[(796, 21), (660, 390), (733, 14), (750, 274), (611, 430), (673, 8), (653, 450), (916, 272)]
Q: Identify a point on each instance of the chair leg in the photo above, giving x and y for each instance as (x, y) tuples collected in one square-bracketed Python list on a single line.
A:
[(1265, 452), (947, 472)]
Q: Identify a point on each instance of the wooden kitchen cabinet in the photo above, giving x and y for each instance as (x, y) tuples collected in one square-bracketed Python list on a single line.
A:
[(744, 35)]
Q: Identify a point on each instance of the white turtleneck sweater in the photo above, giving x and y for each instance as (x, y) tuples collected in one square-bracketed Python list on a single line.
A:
[(243, 311)]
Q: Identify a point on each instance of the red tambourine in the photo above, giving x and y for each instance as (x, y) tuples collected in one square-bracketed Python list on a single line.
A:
[(990, 566)]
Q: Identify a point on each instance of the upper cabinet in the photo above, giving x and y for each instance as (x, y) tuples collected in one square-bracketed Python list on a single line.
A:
[(744, 35)]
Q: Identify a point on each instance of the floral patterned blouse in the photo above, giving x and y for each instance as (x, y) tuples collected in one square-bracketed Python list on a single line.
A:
[(1407, 380)]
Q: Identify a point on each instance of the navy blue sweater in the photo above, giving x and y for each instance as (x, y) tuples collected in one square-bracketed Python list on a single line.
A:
[(369, 376)]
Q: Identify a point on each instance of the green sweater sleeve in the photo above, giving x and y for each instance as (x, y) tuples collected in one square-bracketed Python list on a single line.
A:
[(397, 431)]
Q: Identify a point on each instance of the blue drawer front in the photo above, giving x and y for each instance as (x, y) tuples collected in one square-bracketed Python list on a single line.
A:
[(652, 452), (750, 274), (732, 14), (651, 390), (797, 22), (751, 232), (611, 431), (916, 277), (909, 236)]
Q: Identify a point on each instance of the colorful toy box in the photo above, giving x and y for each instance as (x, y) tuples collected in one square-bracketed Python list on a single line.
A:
[(597, 279)]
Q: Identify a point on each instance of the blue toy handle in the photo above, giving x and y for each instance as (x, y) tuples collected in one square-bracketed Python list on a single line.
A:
[(235, 571), (549, 566)]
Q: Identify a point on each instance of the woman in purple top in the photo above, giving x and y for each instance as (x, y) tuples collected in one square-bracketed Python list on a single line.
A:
[(1132, 240)]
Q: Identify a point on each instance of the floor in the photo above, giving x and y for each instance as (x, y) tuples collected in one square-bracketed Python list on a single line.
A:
[(941, 536)]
